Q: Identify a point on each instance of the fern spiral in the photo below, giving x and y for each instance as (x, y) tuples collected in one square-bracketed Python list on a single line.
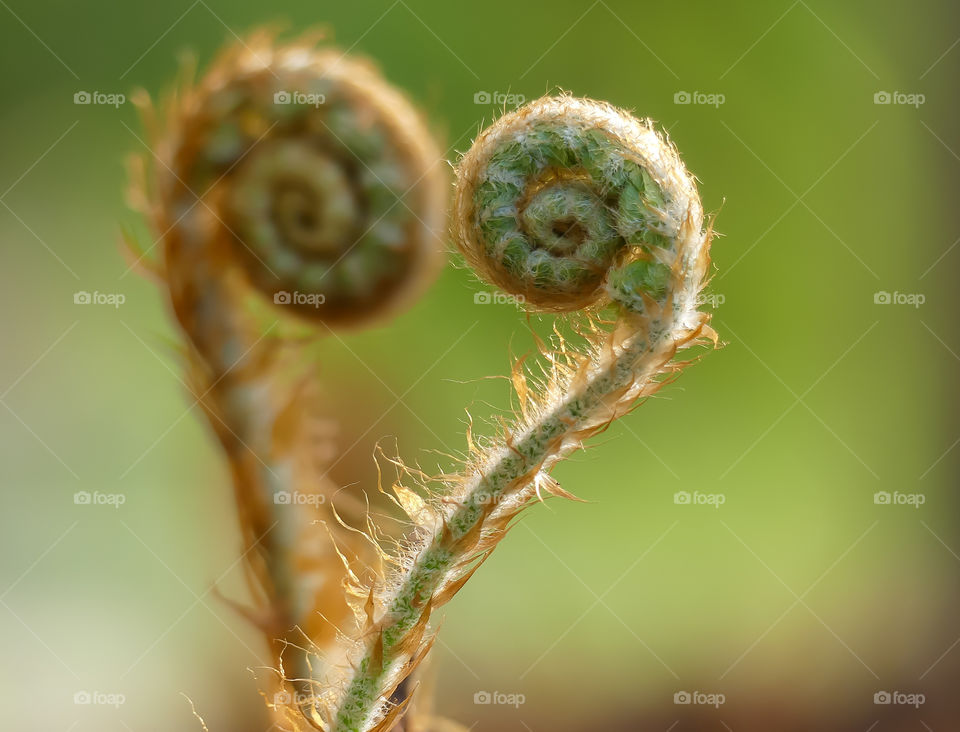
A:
[(288, 179), (309, 170), (575, 206), (569, 202)]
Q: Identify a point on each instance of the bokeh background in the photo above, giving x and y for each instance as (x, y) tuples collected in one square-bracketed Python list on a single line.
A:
[(798, 599)]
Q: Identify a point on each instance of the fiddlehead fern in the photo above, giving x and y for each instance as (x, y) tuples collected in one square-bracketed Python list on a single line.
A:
[(568, 202), (312, 170), (288, 179), (571, 204)]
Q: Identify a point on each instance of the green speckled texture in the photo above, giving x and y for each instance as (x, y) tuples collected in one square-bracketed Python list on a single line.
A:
[(313, 188), (558, 203)]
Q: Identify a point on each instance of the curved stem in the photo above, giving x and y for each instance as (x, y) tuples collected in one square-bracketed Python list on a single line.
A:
[(237, 384), (619, 370)]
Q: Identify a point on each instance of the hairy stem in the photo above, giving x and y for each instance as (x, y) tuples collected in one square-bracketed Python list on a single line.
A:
[(508, 478), (569, 204), (272, 183)]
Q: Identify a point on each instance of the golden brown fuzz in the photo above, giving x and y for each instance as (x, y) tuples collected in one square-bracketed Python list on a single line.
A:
[(568, 203), (305, 170), (289, 179)]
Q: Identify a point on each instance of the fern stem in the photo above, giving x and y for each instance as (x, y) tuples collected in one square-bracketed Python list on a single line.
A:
[(571, 204)]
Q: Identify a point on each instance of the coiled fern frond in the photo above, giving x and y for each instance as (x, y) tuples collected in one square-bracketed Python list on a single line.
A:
[(289, 187), (575, 206)]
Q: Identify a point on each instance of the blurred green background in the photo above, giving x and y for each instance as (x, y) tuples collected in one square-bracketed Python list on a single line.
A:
[(798, 599)]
